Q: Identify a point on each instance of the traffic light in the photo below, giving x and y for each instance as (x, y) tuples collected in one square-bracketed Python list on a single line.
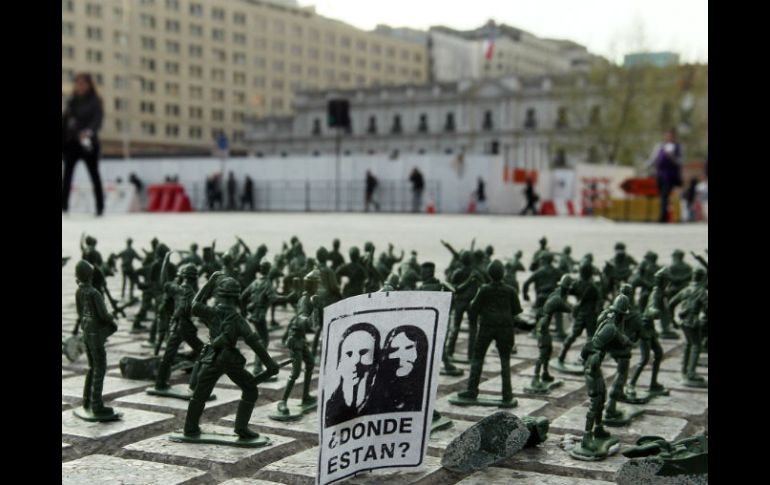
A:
[(338, 113)]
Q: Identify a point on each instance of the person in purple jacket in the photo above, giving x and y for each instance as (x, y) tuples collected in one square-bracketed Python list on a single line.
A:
[(667, 159)]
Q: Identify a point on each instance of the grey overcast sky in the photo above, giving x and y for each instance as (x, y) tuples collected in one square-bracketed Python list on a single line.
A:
[(610, 28)]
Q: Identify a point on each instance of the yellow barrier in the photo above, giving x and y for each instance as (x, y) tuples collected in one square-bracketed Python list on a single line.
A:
[(637, 209)]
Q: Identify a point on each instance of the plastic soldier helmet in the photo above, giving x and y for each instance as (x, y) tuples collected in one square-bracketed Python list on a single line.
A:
[(650, 256), (154, 242), (262, 250), (428, 270), (479, 255), (322, 255), (368, 247), (188, 271), (495, 270), (393, 280), (547, 258), (129, 241), (567, 250), (311, 280), (264, 268), (518, 254), (336, 244), (620, 247), (294, 240), (465, 257), (627, 289), (354, 253), (589, 257), (543, 241), (678, 254), (161, 251), (566, 281), (228, 288), (84, 272), (193, 247), (274, 273), (90, 241), (621, 305), (490, 250)]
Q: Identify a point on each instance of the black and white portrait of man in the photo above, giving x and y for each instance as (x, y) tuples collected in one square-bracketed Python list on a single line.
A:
[(402, 371), (357, 359)]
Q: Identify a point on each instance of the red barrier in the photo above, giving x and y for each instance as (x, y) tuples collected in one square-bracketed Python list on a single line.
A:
[(168, 198), (642, 186)]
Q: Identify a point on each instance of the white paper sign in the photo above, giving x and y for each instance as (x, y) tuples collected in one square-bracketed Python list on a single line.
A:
[(379, 375)]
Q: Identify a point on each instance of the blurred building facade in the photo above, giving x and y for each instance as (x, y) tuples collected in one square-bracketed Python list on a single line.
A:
[(658, 59), (174, 74)]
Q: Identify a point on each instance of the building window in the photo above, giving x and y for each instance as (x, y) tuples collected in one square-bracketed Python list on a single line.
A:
[(561, 158), (487, 124), (67, 28), (239, 38), (121, 104), (530, 122), (196, 92), (196, 71), (172, 67), (259, 62), (147, 21), (196, 30), (94, 56), (278, 66), (147, 107), (218, 34), (372, 128), (561, 118), (217, 115), (172, 89), (93, 10), (172, 131), (94, 33), (172, 5), (239, 58), (148, 43), (278, 27), (239, 97), (217, 95), (449, 125), (345, 42), (317, 127), (396, 128), (196, 112), (296, 50), (172, 110), (239, 78), (196, 50), (423, 126), (148, 128), (196, 10), (218, 74), (217, 14), (120, 38), (259, 82), (67, 52), (148, 86), (68, 6), (219, 55), (195, 132), (172, 47), (239, 18), (148, 64), (119, 82), (238, 116), (278, 84)]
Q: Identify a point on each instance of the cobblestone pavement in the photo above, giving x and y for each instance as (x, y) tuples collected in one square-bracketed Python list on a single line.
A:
[(136, 450)]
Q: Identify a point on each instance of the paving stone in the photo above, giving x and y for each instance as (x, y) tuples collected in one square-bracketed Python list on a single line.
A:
[(133, 420), (248, 481), (109, 470), (72, 387), (67, 373), (504, 476), (525, 407), (669, 428), (162, 449), (142, 400), (671, 380), (440, 439), (674, 364), (679, 403)]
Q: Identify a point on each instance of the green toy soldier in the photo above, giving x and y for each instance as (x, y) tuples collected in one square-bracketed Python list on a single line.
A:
[(373, 277), (391, 284), (648, 340), (97, 325), (252, 263), (335, 256), (632, 327), (597, 442), (679, 275), (355, 272), (151, 292), (182, 329), (618, 270), (94, 257), (467, 280), (211, 263), (694, 299), (165, 310), (127, 257), (221, 356), (644, 277), (306, 321), (540, 252), (258, 298), (192, 256), (495, 304), (431, 283), (588, 295), (545, 278), (328, 293), (511, 268), (556, 302), (566, 263)]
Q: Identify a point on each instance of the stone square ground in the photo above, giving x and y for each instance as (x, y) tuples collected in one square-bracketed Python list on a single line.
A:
[(136, 451)]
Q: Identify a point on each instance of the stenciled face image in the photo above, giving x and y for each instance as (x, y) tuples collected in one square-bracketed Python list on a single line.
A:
[(357, 356), (405, 350)]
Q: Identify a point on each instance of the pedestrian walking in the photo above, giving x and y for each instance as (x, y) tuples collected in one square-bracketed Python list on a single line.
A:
[(532, 198), (371, 186), (81, 122), (248, 194), (667, 159), (231, 188), (481, 196), (689, 196), (418, 185)]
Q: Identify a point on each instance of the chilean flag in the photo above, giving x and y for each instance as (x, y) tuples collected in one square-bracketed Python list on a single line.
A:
[(489, 46)]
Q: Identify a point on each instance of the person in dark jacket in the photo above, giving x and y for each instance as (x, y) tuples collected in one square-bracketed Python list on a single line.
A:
[(81, 122), (231, 188), (248, 194), (418, 184), (667, 159), (532, 198), (371, 186)]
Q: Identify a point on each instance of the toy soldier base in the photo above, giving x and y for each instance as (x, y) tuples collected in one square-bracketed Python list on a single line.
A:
[(176, 392), (641, 396), (694, 381), (538, 386), (466, 398), (619, 417), (221, 439), (595, 448), (287, 412), (575, 369), (440, 422), (86, 414)]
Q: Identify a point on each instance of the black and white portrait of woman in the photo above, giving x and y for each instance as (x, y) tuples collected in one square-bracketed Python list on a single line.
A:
[(358, 356), (401, 373)]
